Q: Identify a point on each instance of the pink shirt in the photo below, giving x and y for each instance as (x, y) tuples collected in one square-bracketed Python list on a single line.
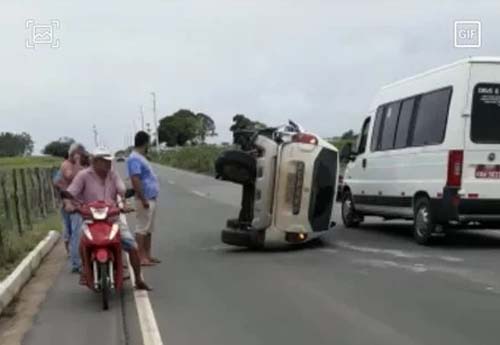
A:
[(87, 187)]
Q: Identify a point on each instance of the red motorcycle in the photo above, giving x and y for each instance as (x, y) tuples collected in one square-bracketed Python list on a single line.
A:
[(101, 250)]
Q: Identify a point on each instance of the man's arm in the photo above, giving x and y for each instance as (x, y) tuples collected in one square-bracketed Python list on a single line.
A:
[(137, 185), (134, 171), (73, 191)]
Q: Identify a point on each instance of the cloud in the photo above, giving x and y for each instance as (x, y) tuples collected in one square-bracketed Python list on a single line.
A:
[(319, 62)]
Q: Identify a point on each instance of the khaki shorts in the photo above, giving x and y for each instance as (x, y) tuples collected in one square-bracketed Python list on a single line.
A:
[(145, 217)]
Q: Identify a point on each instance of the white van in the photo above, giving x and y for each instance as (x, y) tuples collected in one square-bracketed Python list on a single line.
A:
[(429, 151)]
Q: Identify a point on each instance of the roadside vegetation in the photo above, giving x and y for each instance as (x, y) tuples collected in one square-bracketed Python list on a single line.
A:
[(29, 162), (28, 207), (198, 159), (16, 247)]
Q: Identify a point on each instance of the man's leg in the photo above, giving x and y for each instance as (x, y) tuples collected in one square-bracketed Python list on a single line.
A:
[(141, 249), (76, 225), (66, 220), (130, 246), (135, 262), (142, 229), (150, 229), (148, 250)]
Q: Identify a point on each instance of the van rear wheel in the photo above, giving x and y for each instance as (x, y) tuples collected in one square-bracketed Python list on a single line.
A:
[(349, 216), (423, 223)]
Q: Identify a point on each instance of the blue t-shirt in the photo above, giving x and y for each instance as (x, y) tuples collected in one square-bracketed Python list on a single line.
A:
[(138, 165)]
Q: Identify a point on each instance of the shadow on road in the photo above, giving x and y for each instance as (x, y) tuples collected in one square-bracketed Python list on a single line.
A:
[(454, 239), (313, 244)]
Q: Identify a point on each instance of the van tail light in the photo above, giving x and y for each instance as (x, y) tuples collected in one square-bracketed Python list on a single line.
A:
[(455, 163), (305, 138)]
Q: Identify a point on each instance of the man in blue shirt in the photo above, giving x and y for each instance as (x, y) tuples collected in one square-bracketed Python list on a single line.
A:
[(147, 188)]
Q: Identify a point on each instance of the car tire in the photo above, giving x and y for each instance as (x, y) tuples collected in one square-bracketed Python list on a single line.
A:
[(349, 216), (423, 222)]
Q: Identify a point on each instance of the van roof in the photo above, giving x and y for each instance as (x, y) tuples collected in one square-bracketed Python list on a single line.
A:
[(469, 60)]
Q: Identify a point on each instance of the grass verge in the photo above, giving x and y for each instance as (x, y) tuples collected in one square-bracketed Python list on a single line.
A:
[(28, 162), (198, 159), (16, 247)]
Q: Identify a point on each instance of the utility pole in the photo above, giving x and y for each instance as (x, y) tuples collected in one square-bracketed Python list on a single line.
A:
[(96, 136), (155, 119), (141, 110)]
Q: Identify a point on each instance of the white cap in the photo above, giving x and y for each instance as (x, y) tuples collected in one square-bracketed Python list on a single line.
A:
[(102, 152)]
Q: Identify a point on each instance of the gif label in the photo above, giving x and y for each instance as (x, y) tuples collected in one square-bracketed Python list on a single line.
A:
[(467, 34)]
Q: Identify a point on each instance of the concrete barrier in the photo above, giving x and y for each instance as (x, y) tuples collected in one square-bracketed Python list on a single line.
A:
[(11, 286)]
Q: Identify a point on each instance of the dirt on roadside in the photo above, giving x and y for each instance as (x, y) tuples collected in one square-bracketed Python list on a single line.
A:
[(17, 319)]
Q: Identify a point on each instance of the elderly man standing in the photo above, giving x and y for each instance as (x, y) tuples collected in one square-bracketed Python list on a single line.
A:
[(99, 182), (72, 221), (146, 187)]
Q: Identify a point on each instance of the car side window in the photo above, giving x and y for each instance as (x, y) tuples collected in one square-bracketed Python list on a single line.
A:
[(364, 136), (405, 116), (377, 128), (431, 118), (391, 116)]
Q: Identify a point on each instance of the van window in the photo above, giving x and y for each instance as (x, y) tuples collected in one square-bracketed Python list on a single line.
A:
[(485, 119), (363, 138), (404, 123), (431, 118), (391, 115), (377, 126)]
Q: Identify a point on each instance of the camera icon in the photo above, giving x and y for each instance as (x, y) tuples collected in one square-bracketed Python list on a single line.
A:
[(42, 34), (467, 34)]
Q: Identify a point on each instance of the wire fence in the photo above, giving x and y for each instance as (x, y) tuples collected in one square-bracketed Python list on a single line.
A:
[(26, 196)]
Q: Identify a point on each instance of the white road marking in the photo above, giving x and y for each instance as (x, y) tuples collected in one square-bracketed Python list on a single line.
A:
[(220, 247), (416, 268), (329, 250), (149, 327), (196, 192), (395, 252)]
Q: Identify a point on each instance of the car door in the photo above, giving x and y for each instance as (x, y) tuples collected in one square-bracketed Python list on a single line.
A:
[(355, 174)]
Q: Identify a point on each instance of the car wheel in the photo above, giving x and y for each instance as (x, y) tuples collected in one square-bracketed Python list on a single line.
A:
[(349, 216), (423, 223)]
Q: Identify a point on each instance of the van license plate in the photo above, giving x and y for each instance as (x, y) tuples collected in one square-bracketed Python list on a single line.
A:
[(488, 171)]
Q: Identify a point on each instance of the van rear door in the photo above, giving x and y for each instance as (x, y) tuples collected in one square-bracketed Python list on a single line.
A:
[(481, 166)]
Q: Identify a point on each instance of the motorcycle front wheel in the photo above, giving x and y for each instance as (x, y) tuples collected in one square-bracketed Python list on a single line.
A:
[(104, 274)]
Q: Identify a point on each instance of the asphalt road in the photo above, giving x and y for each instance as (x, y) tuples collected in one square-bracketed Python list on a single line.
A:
[(371, 285)]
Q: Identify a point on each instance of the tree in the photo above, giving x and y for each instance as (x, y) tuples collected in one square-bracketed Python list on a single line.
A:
[(12, 144), (179, 128), (58, 148), (349, 135), (207, 126)]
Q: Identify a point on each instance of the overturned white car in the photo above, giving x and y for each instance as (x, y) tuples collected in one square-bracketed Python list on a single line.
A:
[(289, 181)]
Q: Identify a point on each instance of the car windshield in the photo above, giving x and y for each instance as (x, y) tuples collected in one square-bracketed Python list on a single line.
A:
[(485, 122)]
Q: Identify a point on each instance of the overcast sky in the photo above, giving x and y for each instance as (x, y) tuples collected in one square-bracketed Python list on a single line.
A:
[(318, 62)]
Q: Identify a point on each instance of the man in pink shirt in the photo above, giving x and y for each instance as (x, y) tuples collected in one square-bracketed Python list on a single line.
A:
[(99, 182)]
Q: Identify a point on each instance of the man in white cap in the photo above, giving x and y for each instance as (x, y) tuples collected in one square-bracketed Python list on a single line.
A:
[(99, 182)]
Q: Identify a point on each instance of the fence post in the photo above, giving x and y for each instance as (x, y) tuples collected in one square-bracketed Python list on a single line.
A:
[(26, 203), (34, 193), (2, 248), (41, 194), (6, 201), (50, 186), (17, 205)]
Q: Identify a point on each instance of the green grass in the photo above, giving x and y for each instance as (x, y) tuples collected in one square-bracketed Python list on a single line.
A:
[(29, 162), (199, 159), (17, 247)]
